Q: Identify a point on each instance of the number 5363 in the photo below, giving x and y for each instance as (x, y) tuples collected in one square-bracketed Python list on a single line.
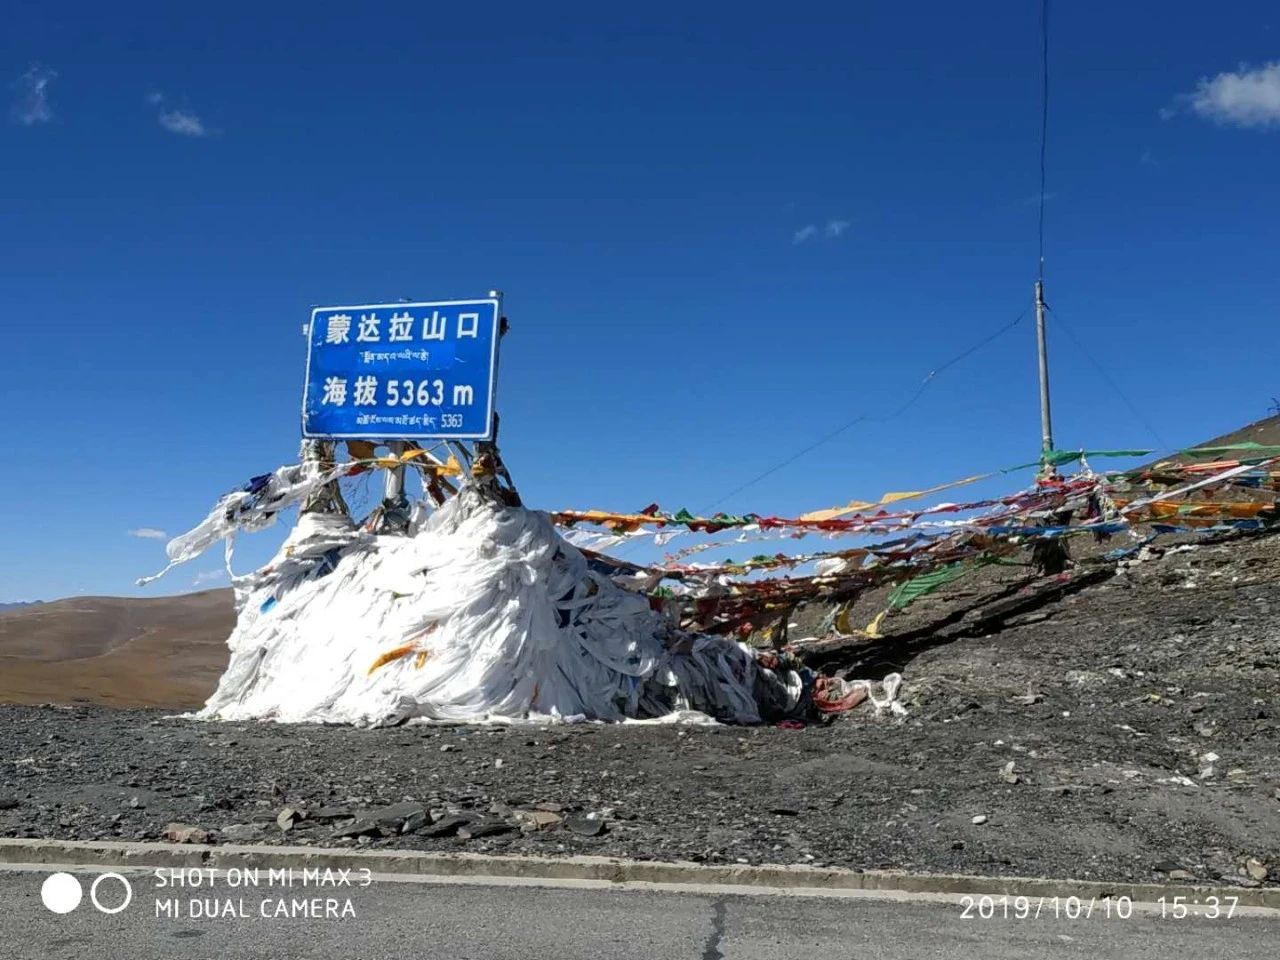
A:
[(405, 393)]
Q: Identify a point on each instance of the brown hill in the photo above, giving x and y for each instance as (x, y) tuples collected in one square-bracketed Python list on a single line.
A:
[(116, 651), (1265, 432)]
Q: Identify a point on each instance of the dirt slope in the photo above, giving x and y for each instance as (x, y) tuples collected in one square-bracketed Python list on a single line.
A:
[(116, 651)]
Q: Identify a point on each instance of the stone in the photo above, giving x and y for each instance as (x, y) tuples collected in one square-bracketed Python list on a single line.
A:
[(287, 817), (185, 833), (9, 803), (784, 811), (979, 820), (585, 826), (538, 819), (240, 833), (1256, 868), (331, 813), (484, 828), (137, 804), (1007, 773), (360, 827), (444, 827), (394, 815), (559, 807), (1181, 875), (414, 821)]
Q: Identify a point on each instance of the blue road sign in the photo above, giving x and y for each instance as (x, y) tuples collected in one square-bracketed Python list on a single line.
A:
[(412, 371)]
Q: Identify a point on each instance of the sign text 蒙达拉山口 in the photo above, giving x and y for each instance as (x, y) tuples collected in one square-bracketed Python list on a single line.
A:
[(402, 371)]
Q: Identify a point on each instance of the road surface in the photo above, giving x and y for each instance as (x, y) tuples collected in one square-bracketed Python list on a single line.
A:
[(429, 920)]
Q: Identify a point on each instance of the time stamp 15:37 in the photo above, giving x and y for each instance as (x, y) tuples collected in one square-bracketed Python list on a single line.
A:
[(1005, 907)]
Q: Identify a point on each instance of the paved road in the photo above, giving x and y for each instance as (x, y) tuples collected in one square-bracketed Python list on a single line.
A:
[(425, 921)]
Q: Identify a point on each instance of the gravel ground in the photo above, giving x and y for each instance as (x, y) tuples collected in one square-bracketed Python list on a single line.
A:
[(1128, 732)]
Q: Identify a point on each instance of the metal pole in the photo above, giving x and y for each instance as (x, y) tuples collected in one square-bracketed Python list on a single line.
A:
[(1046, 420), (393, 489)]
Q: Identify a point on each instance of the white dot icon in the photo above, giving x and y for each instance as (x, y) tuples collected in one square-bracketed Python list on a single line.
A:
[(61, 892)]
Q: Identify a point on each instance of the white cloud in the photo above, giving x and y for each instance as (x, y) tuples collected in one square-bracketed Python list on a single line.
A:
[(831, 230), (804, 233), (31, 104), (209, 576), (149, 533), (1249, 97), (180, 120), (183, 122)]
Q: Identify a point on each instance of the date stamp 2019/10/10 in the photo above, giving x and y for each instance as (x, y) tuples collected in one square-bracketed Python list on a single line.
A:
[(1004, 907)]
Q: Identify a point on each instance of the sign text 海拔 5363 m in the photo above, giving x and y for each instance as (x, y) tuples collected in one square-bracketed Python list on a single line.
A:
[(402, 371)]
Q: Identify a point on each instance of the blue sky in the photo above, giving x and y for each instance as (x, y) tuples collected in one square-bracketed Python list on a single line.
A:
[(721, 234)]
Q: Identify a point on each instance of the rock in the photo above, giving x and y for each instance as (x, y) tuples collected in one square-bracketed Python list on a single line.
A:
[(484, 828), (497, 764), (1007, 773), (559, 807), (9, 803), (1256, 868), (137, 804), (414, 821), (288, 816), (240, 833), (185, 833), (444, 827), (957, 844), (330, 813), (1181, 875), (394, 815), (784, 811), (538, 819), (585, 826), (360, 827), (979, 820), (1166, 866)]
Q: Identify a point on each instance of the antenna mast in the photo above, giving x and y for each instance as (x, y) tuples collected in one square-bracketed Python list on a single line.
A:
[(1046, 419)]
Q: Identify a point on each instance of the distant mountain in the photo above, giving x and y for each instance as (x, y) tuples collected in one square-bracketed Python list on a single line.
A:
[(121, 651), (14, 605)]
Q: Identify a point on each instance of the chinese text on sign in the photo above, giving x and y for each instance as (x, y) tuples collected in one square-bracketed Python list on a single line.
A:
[(402, 371)]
